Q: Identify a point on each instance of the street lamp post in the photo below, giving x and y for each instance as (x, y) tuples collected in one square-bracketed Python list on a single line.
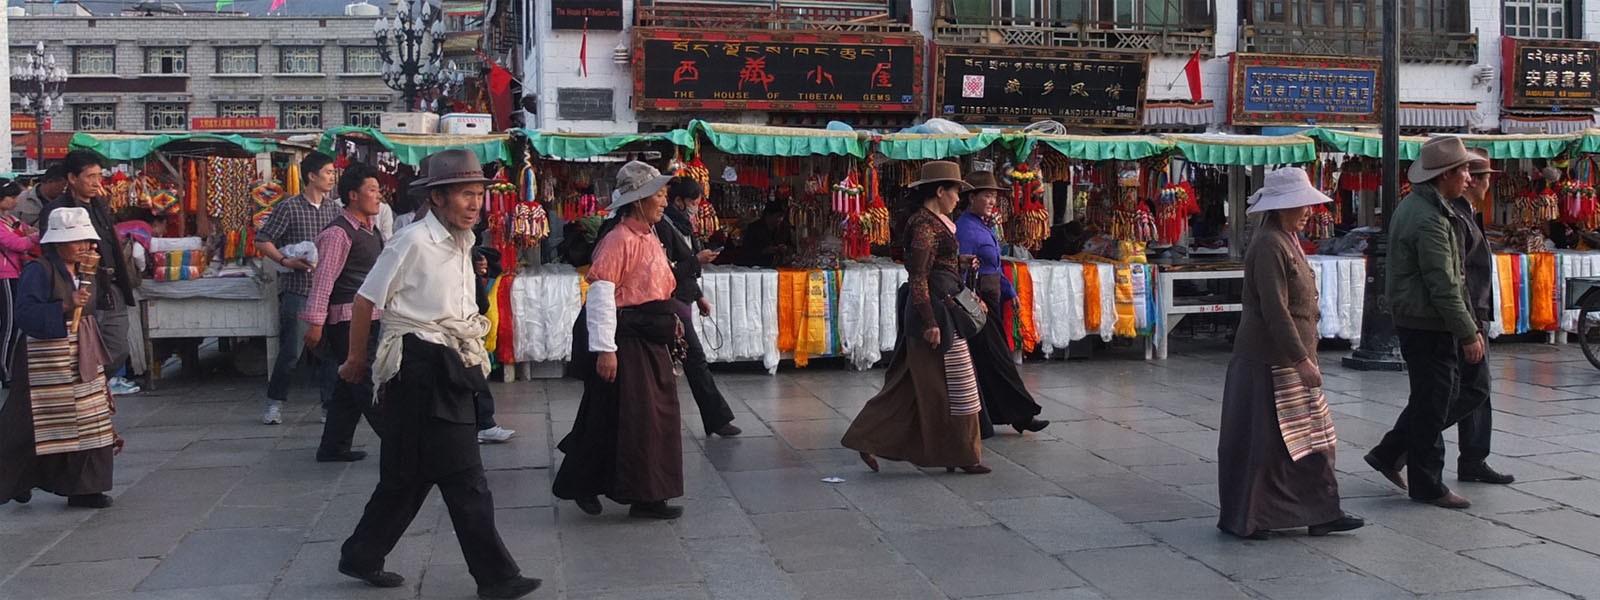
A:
[(411, 47), (1380, 348), (41, 80)]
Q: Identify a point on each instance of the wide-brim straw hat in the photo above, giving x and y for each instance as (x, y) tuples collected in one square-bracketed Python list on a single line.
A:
[(978, 181), (456, 165), (941, 171), (636, 181), (69, 224), (1439, 155), (1286, 188)]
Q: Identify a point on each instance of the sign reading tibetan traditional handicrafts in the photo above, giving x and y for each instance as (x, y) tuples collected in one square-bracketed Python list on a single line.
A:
[(1551, 73), (1303, 90), (1007, 85), (682, 69)]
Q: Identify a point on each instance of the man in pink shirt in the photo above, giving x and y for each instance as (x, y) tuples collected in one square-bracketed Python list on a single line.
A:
[(347, 249)]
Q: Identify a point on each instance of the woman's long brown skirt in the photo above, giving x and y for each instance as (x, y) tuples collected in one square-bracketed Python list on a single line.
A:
[(910, 419), (1259, 487)]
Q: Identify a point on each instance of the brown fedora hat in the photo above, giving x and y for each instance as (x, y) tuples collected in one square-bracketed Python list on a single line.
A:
[(1481, 164), (1439, 154), (456, 165), (940, 171), (983, 180)]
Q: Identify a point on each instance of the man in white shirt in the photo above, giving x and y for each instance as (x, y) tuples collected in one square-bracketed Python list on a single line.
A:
[(429, 363)]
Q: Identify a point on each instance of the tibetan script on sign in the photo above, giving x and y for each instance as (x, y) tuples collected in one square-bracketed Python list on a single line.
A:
[(1551, 73), (998, 85), (1301, 90), (756, 70)]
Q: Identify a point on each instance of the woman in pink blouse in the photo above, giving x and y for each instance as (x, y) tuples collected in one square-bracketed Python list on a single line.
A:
[(19, 243)]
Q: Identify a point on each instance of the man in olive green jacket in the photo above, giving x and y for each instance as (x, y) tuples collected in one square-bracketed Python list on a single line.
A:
[(1426, 285)]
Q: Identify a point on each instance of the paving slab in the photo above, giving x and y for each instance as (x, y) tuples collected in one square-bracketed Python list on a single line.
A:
[(226, 557), (896, 582), (1060, 524), (1409, 563), (978, 561), (739, 568), (823, 540), (911, 502), (782, 490), (1160, 573), (1553, 565)]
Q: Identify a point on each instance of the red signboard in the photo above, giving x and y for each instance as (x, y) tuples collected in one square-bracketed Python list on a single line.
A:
[(27, 123), (55, 144), (233, 123)]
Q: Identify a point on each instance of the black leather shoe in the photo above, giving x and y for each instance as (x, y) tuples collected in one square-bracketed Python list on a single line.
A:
[(1036, 426), (518, 587), (590, 505), (375, 578), (89, 501), (23, 498), (728, 430), (1389, 471), (346, 456), (1344, 523), (1483, 473), (655, 510)]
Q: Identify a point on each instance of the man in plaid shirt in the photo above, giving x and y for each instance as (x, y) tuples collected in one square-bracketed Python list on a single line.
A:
[(295, 220)]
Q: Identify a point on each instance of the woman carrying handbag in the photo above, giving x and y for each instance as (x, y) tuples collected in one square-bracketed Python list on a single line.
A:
[(927, 413)]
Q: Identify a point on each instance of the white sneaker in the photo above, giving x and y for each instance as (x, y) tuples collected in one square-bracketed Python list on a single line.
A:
[(324, 419), (274, 414), (495, 435), (122, 387)]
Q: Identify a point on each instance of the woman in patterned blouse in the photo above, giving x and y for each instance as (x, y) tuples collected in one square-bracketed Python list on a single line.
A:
[(927, 413)]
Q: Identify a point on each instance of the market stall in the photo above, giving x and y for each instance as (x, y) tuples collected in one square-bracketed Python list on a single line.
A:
[(189, 204)]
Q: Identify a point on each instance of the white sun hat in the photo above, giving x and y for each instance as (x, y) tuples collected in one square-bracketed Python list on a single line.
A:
[(1288, 187)]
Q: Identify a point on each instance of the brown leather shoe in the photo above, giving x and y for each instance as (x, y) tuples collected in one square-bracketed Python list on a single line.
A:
[(1390, 472), (1448, 500)]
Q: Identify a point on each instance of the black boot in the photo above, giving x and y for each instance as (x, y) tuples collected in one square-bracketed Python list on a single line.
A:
[(1482, 472), (517, 587)]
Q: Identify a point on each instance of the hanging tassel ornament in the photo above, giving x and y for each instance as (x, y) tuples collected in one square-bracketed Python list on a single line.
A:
[(1030, 221)]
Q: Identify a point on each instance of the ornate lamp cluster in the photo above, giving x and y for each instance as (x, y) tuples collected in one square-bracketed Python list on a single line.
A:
[(41, 80), (411, 47)]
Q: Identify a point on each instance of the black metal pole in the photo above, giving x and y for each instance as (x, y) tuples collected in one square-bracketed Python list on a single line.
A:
[(1380, 349), (38, 129)]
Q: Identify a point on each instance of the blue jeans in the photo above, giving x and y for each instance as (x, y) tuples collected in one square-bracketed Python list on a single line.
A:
[(291, 343)]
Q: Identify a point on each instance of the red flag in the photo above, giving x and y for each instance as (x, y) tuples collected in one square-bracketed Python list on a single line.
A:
[(276, 4), (583, 50), (500, 105), (499, 79), (1192, 69)]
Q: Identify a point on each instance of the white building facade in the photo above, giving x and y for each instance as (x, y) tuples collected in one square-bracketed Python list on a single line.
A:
[(1451, 78)]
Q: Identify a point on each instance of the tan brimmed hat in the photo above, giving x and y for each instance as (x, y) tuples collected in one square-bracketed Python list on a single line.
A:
[(982, 180), (1439, 155), (941, 171)]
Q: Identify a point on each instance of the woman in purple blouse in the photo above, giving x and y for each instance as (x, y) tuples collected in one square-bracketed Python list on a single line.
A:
[(1006, 400)]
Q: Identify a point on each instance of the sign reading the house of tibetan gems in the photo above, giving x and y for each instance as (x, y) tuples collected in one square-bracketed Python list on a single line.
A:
[(1302, 90), (999, 85), (603, 15), (1551, 73), (678, 69)]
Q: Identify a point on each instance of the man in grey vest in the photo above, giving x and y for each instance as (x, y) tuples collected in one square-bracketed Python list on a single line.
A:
[(346, 249)]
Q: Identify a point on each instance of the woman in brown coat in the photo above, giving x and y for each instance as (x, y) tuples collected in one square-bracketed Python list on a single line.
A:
[(1272, 405), (927, 413)]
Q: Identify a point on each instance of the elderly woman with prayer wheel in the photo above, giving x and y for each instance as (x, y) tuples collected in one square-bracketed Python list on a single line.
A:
[(927, 413), (1275, 458), (1006, 400), (625, 443), (55, 427)]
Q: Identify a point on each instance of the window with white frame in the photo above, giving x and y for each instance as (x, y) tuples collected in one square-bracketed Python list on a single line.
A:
[(95, 117), (362, 59), (166, 117), (94, 60), (19, 58), (1538, 19), (239, 109), (166, 60), (364, 114), (300, 115), (300, 59), (237, 60)]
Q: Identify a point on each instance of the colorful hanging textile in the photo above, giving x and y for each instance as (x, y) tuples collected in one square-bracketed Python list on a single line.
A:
[(1023, 280), (491, 338), (813, 330), (1127, 323), (1542, 291), (506, 351), (791, 300), (1505, 265), (1091, 296)]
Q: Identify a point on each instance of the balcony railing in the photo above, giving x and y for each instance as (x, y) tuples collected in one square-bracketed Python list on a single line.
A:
[(1429, 47), (861, 18), (1056, 33)]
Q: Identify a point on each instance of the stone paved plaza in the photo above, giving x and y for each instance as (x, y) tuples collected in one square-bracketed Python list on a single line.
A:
[(1115, 500)]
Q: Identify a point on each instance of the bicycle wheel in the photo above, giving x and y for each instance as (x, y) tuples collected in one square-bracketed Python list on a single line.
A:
[(1588, 329)]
